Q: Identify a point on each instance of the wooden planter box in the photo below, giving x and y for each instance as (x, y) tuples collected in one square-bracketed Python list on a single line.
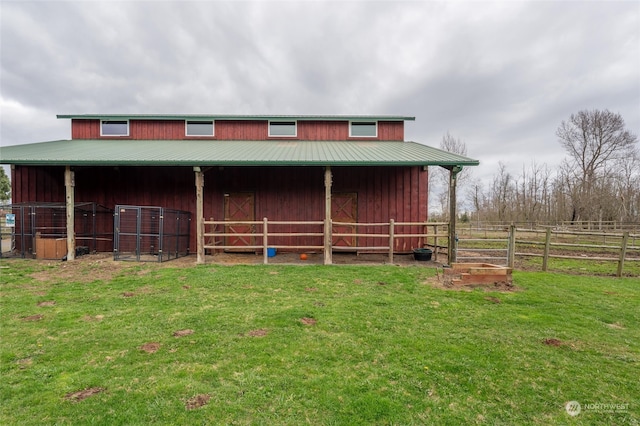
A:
[(51, 248), (478, 273)]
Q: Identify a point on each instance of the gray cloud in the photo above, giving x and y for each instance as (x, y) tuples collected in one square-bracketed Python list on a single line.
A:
[(499, 75)]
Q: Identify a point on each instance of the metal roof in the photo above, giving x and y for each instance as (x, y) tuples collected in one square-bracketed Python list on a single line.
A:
[(234, 117), (123, 152)]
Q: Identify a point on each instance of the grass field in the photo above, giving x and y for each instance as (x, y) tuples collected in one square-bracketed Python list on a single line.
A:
[(114, 343)]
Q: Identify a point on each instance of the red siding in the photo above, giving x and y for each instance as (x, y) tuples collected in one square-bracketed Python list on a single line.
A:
[(281, 193), (241, 130), (235, 130), (391, 130)]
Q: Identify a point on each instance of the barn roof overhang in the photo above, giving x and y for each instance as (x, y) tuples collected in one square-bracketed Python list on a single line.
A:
[(126, 152), (234, 117)]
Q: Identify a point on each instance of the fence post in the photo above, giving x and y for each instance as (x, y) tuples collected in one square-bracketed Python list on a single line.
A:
[(69, 184), (623, 252), (435, 243), (265, 243), (512, 246), (199, 182), (328, 247), (391, 239), (547, 243)]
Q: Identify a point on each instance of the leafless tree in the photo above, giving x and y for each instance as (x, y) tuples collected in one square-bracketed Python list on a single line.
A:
[(440, 177), (595, 140)]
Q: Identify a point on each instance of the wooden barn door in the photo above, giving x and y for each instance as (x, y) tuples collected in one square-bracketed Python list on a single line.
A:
[(239, 206), (344, 208)]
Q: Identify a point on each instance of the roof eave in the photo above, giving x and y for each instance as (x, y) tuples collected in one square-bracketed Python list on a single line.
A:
[(233, 117)]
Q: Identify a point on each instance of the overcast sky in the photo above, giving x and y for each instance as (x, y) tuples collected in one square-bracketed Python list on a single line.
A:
[(500, 76)]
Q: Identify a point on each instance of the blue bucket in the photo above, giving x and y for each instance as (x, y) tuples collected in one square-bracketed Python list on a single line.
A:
[(271, 251)]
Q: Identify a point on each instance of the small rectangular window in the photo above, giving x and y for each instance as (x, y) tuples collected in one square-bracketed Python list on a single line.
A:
[(363, 129), (199, 128), (114, 128), (283, 128)]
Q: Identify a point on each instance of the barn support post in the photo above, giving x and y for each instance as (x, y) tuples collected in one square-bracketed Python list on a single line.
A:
[(328, 257), (69, 185), (453, 215), (199, 177)]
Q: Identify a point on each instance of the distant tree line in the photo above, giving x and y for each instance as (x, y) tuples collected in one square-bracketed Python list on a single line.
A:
[(599, 180)]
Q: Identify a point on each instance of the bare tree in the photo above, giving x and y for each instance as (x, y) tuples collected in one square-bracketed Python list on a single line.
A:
[(440, 176), (594, 140)]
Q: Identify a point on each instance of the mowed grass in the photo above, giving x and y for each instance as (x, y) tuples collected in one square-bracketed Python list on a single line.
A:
[(313, 345)]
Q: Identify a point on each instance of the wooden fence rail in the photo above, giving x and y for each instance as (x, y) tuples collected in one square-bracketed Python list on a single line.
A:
[(552, 244), (214, 238), (618, 247)]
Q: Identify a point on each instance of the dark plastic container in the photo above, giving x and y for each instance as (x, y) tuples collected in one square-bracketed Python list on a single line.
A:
[(422, 254)]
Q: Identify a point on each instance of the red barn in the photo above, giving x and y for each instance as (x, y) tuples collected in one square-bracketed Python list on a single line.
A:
[(288, 169)]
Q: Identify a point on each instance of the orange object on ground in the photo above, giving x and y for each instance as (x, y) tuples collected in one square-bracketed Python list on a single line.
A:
[(303, 256)]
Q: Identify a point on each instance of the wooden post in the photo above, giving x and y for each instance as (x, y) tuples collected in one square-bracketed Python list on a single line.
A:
[(512, 246), (328, 257), (453, 174), (435, 243), (199, 215), (545, 256), (265, 242), (623, 253), (391, 239), (69, 184)]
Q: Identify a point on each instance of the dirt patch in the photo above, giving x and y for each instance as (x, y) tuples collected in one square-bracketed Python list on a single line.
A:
[(443, 284), (89, 318), (37, 317), (261, 332), (83, 394), (151, 347), (24, 363), (128, 294), (308, 321), (186, 287), (197, 401), (47, 303), (181, 333), (84, 269), (553, 342), (616, 326), (493, 299)]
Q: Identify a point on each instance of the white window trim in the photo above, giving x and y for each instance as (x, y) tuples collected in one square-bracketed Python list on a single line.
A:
[(114, 136), (295, 124), (213, 128), (362, 121)]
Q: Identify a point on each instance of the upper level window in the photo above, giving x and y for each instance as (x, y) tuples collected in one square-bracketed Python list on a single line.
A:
[(363, 129), (283, 128), (199, 128), (114, 128)]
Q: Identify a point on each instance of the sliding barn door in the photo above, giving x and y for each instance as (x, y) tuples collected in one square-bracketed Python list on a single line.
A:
[(240, 206), (344, 208)]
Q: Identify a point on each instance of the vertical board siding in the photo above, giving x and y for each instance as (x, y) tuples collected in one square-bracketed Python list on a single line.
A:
[(391, 130), (323, 130), (85, 129), (235, 130), (281, 193), (241, 130)]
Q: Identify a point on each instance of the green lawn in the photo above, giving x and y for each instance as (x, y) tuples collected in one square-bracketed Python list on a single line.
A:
[(313, 345)]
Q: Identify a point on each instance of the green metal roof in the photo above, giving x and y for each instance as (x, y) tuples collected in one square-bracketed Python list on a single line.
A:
[(123, 152), (234, 117)]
